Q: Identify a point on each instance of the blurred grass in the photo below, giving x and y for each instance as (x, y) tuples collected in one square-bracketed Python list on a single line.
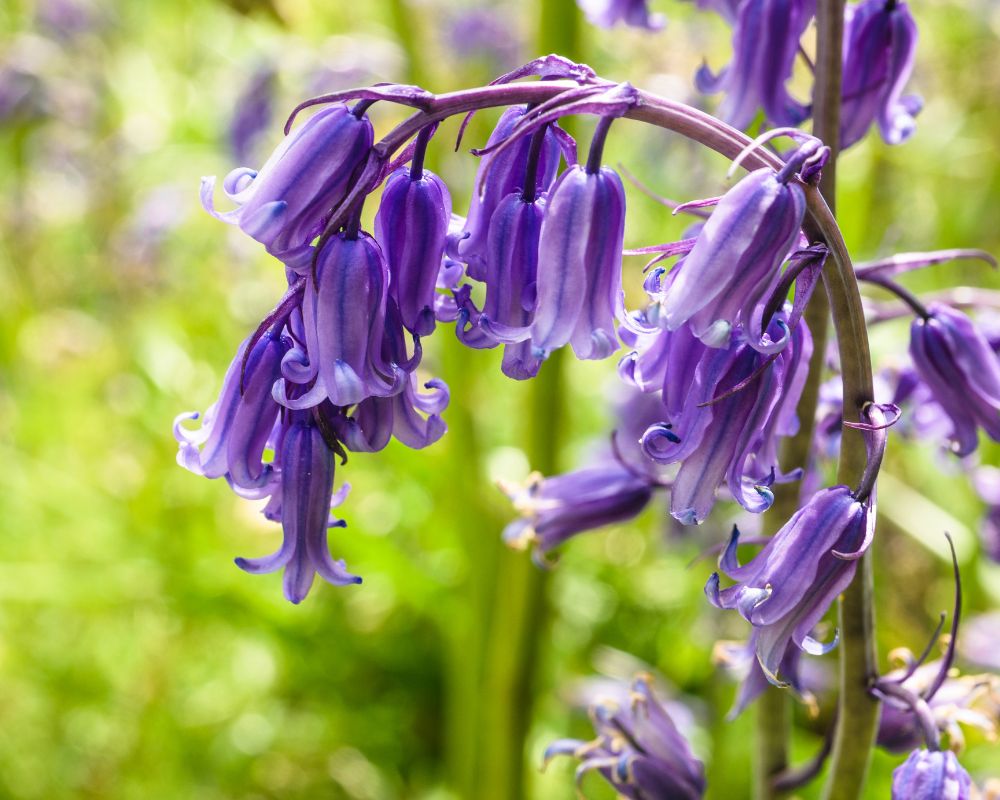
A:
[(135, 659)]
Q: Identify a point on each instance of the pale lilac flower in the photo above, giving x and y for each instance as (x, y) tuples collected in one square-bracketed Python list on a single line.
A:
[(931, 775), (638, 750), (608, 13), (986, 480), (880, 38), (765, 44)]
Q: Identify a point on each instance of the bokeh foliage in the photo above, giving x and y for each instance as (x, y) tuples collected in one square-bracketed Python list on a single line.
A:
[(135, 660)]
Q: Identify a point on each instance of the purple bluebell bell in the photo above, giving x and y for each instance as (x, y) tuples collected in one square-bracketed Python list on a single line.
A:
[(931, 775), (790, 584), (411, 226), (734, 265), (344, 316), (580, 259), (638, 750), (880, 38), (957, 363), (284, 204), (235, 430), (500, 174), (726, 410), (300, 497), (608, 13), (765, 43)]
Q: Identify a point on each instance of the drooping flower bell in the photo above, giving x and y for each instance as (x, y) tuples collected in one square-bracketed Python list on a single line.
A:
[(638, 750), (931, 775), (300, 498), (608, 13), (734, 264), (880, 38), (411, 226), (957, 363), (284, 204), (765, 43), (500, 174), (344, 317), (580, 259)]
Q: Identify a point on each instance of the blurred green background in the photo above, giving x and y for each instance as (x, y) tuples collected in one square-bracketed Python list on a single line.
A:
[(136, 661)]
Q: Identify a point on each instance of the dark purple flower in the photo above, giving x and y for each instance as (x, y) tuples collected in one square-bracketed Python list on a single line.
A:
[(931, 775), (789, 585), (236, 429), (411, 226), (734, 264), (344, 317), (580, 258), (500, 174), (301, 500), (554, 509), (880, 38), (956, 362), (765, 43), (284, 205), (638, 750), (608, 13), (254, 113)]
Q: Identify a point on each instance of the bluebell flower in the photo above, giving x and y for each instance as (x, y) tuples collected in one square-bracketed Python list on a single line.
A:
[(253, 113), (284, 205), (300, 498), (986, 480), (580, 255), (962, 372), (790, 584), (765, 44), (500, 174), (734, 264), (931, 775), (608, 13), (411, 226), (880, 38), (638, 750)]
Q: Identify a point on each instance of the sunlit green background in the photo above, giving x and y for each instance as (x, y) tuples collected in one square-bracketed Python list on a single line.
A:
[(136, 661)]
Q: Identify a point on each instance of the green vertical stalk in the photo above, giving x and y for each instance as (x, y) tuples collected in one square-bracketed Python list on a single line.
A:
[(858, 713)]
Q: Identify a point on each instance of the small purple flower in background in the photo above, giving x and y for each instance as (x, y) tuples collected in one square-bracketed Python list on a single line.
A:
[(608, 13), (931, 775), (880, 38), (986, 480), (482, 33), (957, 363), (790, 584), (411, 227), (254, 113), (980, 641), (638, 750), (284, 204), (765, 43)]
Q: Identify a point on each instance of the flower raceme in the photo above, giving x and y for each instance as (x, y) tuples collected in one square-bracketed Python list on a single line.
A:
[(638, 750)]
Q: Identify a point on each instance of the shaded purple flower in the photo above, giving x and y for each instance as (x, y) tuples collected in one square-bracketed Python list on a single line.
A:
[(301, 499), (790, 584), (765, 43), (880, 38), (411, 227), (956, 362), (734, 264), (740, 659), (931, 775), (557, 508), (608, 13), (500, 174), (254, 113), (284, 205), (638, 750), (580, 255), (987, 483), (344, 317)]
